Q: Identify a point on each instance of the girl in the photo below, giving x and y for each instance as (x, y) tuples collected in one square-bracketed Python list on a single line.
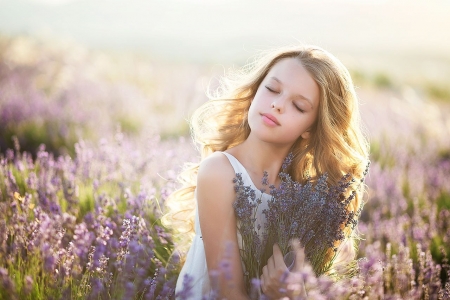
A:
[(298, 100)]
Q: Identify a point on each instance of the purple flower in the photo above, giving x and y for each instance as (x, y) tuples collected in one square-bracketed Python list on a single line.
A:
[(313, 213), (6, 283), (186, 291)]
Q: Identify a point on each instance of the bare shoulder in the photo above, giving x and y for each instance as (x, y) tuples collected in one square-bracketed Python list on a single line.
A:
[(215, 177), (217, 166)]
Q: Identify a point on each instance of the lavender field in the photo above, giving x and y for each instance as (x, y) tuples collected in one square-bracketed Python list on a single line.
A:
[(91, 145)]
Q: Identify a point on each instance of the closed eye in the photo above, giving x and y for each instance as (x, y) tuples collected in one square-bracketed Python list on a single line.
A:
[(299, 109), (271, 90)]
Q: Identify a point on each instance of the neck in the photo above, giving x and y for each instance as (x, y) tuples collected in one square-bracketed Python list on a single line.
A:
[(258, 156)]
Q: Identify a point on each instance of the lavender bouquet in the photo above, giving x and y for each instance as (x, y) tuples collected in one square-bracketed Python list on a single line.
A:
[(314, 213)]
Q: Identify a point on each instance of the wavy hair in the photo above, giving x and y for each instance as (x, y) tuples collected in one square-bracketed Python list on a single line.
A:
[(336, 146)]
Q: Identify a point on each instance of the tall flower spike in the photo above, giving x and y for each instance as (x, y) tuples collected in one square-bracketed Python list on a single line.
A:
[(287, 161)]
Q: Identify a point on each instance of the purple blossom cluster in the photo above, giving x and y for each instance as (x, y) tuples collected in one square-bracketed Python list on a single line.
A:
[(314, 213), (88, 227)]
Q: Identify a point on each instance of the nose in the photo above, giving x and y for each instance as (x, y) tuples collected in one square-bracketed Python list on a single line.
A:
[(278, 105)]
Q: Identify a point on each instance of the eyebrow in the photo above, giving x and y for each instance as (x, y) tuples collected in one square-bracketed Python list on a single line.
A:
[(297, 95)]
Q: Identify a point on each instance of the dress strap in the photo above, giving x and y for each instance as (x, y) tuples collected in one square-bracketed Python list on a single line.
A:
[(237, 166)]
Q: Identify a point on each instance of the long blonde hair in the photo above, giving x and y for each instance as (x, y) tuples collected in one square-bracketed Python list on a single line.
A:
[(336, 145)]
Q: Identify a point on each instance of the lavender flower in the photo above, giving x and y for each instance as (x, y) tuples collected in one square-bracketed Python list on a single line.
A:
[(245, 208), (313, 213), (186, 291), (7, 284)]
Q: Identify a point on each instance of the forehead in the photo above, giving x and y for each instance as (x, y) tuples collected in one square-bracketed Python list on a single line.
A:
[(294, 79), (288, 66)]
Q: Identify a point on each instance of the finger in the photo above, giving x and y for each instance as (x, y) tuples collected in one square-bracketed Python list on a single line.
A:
[(263, 287), (299, 255), (266, 282), (278, 257), (270, 265), (265, 275)]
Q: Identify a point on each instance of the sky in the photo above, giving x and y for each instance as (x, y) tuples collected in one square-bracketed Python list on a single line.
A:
[(219, 30)]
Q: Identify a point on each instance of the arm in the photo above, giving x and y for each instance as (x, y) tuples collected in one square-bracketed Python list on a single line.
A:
[(215, 196)]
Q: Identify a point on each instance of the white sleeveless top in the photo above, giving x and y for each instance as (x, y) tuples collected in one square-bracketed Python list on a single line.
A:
[(195, 265)]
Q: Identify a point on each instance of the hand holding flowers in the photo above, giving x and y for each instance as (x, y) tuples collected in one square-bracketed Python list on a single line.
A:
[(277, 281)]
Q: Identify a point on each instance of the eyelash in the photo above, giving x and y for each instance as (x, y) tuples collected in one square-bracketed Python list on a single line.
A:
[(272, 91), (299, 109)]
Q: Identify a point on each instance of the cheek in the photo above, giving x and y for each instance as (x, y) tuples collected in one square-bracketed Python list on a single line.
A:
[(298, 127), (261, 96), (255, 104), (251, 114), (251, 109)]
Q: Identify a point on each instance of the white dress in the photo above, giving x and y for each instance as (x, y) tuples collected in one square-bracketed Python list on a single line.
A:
[(195, 265)]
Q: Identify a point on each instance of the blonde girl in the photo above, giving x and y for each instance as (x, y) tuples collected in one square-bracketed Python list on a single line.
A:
[(300, 100)]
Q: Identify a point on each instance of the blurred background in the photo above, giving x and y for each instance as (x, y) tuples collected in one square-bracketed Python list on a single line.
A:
[(75, 69), (108, 86)]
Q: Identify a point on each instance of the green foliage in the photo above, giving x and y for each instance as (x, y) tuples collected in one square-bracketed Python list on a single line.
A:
[(443, 201), (33, 133), (86, 200), (444, 154), (381, 155), (382, 80), (176, 129), (358, 77), (438, 91), (128, 124)]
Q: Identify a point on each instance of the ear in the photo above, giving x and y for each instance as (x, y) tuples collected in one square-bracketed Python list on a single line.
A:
[(305, 135)]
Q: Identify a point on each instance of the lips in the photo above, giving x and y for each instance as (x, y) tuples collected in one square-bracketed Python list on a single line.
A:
[(270, 118)]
